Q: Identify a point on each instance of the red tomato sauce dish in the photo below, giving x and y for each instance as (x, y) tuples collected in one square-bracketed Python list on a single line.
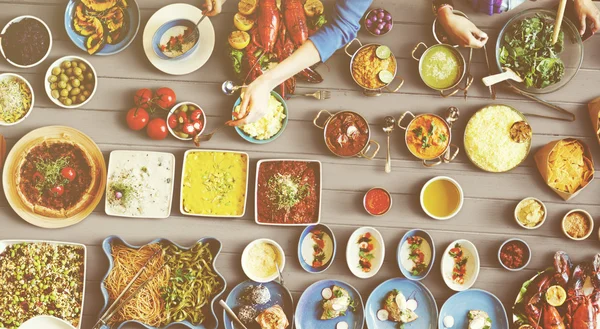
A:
[(288, 192), (377, 201)]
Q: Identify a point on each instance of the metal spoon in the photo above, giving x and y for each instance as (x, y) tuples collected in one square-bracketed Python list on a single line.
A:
[(229, 88), (388, 127), (231, 313), (205, 138), (279, 273), (194, 36)]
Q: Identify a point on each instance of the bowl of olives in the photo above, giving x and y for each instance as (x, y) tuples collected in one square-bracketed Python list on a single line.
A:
[(71, 82)]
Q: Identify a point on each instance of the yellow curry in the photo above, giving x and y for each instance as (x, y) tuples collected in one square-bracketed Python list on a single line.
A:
[(427, 136), (214, 183)]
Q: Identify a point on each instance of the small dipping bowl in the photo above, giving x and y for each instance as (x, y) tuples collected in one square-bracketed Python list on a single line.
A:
[(376, 197), (543, 218), (166, 31), (460, 196), (306, 266), (246, 259), (527, 255), (589, 219), (175, 109), (16, 20), (373, 16)]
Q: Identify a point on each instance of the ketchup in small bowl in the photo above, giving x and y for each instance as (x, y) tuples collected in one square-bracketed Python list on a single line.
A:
[(377, 201)]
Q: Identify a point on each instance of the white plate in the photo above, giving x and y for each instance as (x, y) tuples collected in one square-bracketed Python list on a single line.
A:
[(352, 252), (118, 157), (447, 264), (6, 243), (46, 322), (58, 63), (194, 61), (320, 182)]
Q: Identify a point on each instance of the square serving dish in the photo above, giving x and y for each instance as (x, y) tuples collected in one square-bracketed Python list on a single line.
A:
[(6, 243), (214, 178), (319, 189), (148, 176)]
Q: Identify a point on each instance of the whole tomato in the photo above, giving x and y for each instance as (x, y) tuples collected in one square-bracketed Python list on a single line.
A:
[(57, 190), (157, 129), (137, 118), (165, 97), (143, 98), (68, 173)]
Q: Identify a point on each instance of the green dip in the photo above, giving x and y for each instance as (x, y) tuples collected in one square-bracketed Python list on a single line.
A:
[(440, 67)]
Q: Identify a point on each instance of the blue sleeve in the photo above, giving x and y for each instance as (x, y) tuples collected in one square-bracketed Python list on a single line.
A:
[(344, 25)]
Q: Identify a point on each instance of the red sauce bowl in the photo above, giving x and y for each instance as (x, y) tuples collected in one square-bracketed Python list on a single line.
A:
[(377, 201), (511, 249)]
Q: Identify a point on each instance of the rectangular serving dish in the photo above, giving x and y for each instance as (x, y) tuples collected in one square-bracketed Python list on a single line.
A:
[(111, 168), (320, 189), (6, 243), (187, 153), (211, 322)]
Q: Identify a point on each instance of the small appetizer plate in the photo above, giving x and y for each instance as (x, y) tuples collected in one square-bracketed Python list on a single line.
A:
[(46, 322), (246, 258), (309, 308), (527, 254), (367, 240), (172, 29), (459, 305), (427, 248), (464, 249), (280, 295), (325, 241), (426, 310)]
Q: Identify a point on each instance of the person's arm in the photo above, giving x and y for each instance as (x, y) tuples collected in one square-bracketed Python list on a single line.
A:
[(587, 11), (212, 7), (459, 29), (343, 27)]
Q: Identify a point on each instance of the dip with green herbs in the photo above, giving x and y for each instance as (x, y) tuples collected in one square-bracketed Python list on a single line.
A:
[(441, 67)]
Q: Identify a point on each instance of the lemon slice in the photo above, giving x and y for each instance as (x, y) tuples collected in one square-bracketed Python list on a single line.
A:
[(383, 52), (247, 7), (556, 296), (239, 39), (242, 22), (386, 76), (313, 7)]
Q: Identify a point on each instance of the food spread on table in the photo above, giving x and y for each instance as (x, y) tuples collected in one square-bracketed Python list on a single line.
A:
[(162, 283)]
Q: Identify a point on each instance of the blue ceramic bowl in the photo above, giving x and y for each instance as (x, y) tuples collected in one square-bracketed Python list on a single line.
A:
[(132, 17), (165, 32), (426, 310), (211, 321), (280, 295), (307, 267), (423, 234), (264, 141), (309, 309), (459, 305)]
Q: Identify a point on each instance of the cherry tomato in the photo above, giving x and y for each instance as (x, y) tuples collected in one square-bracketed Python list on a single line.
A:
[(165, 97), (57, 190), (196, 115), (38, 177), (198, 125), (137, 118), (68, 173), (182, 118), (188, 128), (157, 129), (172, 120), (143, 98)]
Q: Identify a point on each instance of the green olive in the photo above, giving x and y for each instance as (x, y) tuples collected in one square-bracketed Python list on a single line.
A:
[(80, 77), (56, 71), (76, 83), (74, 64), (69, 71), (184, 108), (52, 78), (67, 102), (82, 87), (74, 99), (64, 93), (89, 87), (83, 67), (86, 93), (81, 98), (53, 85), (62, 84), (89, 76), (69, 88), (55, 94), (77, 71), (66, 64), (64, 77), (75, 91)]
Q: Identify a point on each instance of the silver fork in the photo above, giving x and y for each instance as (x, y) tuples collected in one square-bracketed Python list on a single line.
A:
[(320, 95)]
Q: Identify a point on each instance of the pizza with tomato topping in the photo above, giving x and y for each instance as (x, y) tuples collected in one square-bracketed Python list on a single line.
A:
[(56, 178)]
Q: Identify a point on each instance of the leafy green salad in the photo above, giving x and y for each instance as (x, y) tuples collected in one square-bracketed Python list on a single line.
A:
[(527, 49)]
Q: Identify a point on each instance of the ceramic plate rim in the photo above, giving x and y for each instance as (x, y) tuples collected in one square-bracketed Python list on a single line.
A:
[(485, 292), (478, 268), (381, 246), (398, 251), (300, 241)]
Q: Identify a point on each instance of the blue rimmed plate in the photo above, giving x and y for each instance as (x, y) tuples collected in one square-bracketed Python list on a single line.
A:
[(274, 137), (403, 252), (308, 309), (305, 248), (280, 295), (426, 306), (132, 19), (459, 305), (211, 321)]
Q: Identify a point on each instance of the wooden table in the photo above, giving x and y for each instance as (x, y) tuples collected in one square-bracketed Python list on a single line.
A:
[(486, 218)]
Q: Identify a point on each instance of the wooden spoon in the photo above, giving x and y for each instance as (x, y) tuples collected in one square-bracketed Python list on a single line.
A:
[(497, 78), (560, 14), (2, 150)]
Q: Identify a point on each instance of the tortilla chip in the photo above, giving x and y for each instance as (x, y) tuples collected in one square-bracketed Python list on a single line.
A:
[(569, 169)]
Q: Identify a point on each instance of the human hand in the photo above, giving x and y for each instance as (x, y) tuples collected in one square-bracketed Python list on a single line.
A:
[(586, 11), (255, 103), (460, 30), (211, 7)]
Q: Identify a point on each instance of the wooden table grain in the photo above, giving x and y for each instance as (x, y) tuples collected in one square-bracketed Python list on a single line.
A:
[(487, 215)]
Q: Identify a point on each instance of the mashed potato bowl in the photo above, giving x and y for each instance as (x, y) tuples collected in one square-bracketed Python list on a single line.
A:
[(269, 127)]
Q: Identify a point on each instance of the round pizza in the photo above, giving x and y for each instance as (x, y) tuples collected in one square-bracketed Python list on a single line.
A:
[(56, 178)]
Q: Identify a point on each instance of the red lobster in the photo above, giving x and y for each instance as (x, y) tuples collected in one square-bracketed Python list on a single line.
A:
[(295, 21), (580, 311), (268, 22)]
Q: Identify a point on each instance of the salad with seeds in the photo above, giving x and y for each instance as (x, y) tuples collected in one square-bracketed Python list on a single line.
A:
[(15, 99)]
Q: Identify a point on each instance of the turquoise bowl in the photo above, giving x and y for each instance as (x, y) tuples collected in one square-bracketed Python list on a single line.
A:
[(274, 137)]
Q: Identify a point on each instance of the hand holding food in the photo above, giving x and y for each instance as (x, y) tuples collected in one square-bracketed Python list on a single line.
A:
[(211, 7), (461, 30), (255, 103)]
